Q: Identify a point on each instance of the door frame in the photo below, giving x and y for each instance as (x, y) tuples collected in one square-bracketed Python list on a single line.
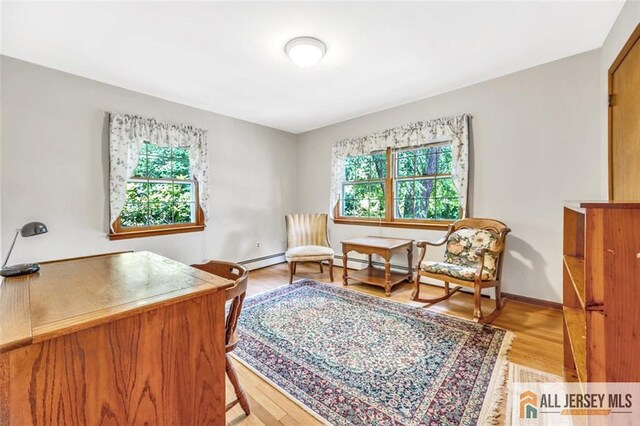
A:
[(633, 39)]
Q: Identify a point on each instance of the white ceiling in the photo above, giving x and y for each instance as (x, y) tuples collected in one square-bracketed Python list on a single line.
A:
[(228, 57)]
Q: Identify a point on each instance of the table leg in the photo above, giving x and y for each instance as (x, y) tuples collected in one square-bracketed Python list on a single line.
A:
[(370, 262), (410, 263), (344, 269), (387, 277)]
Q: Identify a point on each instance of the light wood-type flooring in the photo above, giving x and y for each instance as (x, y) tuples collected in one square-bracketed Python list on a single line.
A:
[(538, 342)]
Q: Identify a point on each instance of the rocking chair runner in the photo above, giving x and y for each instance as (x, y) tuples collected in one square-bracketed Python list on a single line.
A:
[(236, 294), (473, 258)]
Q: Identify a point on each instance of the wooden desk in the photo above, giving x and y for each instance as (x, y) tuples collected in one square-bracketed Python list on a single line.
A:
[(384, 247), (126, 338)]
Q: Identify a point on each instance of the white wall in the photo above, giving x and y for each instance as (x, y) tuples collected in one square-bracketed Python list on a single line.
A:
[(536, 142), (625, 24), (55, 169)]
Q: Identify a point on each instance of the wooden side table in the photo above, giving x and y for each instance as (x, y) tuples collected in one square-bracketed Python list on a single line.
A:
[(384, 247)]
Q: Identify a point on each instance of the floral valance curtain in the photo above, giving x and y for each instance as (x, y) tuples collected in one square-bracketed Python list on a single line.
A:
[(127, 133), (455, 129)]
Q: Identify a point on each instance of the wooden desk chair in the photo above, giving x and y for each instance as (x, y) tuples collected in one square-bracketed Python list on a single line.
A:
[(473, 258), (307, 241), (236, 294)]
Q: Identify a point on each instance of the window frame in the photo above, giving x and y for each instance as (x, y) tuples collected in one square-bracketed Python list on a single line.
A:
[(389, 220), (120, 232)]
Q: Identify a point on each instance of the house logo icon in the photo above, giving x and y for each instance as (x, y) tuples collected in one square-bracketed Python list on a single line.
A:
[(528, 405)]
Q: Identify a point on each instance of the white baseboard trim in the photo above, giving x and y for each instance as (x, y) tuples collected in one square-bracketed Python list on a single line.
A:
[(264, 261)]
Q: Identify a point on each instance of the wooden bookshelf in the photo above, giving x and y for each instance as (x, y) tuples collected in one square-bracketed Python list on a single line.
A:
[(601, 266)]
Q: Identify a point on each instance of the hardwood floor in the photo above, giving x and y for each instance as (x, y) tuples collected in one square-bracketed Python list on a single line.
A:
[(538, 342)]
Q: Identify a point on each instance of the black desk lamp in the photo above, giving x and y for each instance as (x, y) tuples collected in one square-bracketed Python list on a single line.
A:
[(29, 230)]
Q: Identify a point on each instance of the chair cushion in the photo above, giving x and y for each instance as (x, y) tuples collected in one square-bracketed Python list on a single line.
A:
[(462, 245), (455, 271), (302, 253)]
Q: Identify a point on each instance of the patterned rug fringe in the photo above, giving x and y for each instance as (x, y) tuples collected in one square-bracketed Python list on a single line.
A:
[(491, 413), (287, 394)]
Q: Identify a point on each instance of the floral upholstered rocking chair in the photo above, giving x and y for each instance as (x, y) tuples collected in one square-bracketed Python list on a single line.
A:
[(473, 258)]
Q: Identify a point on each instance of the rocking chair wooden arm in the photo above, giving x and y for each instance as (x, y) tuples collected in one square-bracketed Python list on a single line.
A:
[(482, 253), (422, 244), (441, 241), (499, 246), (478, 275)]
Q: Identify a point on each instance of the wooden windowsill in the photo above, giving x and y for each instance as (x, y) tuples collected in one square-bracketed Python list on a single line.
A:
[(438, 226), (155, 232)]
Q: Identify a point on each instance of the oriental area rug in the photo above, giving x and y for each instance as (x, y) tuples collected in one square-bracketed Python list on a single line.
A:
[(353, 359)]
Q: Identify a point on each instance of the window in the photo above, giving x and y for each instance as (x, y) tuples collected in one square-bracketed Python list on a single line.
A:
[(402, 187), (161, 197), (364, 189), (423, 185)]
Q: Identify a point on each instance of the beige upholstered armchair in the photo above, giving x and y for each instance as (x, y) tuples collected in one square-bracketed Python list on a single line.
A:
[(472, 258), (307, 241)]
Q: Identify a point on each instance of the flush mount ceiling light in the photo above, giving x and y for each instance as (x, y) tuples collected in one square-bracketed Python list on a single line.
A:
[(305, 51)]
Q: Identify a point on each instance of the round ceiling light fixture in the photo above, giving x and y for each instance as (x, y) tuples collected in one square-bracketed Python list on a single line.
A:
[(305, 51)]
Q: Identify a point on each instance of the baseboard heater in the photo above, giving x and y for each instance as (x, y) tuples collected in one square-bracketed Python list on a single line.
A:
[(260, 259), (263, 261)]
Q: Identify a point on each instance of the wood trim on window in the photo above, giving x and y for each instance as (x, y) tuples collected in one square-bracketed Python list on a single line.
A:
[(389, 220), (153, 231)]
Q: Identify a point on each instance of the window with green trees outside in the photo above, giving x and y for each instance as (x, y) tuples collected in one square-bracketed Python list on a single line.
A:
[(415, 184), (364, 189), (162, 191)]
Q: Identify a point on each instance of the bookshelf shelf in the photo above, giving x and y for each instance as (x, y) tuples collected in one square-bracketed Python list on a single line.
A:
[(575, 267)]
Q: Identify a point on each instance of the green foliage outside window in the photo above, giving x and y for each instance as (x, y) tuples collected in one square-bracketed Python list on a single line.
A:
[(423, 188), (161, 191), (364, 194)]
